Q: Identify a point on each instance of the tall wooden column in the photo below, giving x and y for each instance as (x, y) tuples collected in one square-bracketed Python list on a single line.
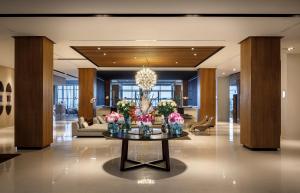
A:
[(87, 91), (34, 92), (185, 93), (107, 93), (207, 77), (260, 113)]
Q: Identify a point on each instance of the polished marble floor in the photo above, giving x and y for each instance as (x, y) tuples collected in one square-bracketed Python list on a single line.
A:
[(205, 163)]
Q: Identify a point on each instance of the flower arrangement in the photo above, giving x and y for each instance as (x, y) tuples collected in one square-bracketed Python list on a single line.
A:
[(166, 107), (124, 107), (176, 122), (146, 120), (113, 119)]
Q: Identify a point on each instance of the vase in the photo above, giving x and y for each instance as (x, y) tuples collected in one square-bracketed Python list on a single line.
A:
[(127, 123), (176, 129), (166, 126), (145, 130), (113, 128)]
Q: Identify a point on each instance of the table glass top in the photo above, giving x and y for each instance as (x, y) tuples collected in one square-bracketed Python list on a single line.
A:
[(133, 135)]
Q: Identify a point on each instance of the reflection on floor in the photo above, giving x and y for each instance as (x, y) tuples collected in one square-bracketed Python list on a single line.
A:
[(206, 163)]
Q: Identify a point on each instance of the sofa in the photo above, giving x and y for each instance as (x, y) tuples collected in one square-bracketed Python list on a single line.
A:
[(81, 129)]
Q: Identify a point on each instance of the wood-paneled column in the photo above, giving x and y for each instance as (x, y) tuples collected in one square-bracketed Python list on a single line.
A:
[(260, 113), (107, 93), (87, 91), (33, 92), (185, 92), (207, 77)]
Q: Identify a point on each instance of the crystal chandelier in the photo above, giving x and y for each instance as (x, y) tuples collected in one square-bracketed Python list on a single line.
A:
[(145, 78)]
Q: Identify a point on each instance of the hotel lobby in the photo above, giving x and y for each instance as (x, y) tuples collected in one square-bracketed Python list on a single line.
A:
[(157, 96)]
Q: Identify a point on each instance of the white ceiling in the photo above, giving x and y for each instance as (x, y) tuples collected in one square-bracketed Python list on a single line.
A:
[(173, 31), (153, 6)]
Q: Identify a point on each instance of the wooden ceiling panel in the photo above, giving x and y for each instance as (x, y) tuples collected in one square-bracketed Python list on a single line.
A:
[(136, 56)]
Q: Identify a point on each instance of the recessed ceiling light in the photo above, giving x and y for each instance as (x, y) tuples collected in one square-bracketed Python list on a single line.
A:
[(290, 49), (99, 48), (223, 73), (104, 54), (192, 48), (234, 69), (134, 57), (114, 62), (195, 54), (176, 62)]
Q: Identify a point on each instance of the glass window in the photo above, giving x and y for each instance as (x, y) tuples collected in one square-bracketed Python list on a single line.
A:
[(68, 95)]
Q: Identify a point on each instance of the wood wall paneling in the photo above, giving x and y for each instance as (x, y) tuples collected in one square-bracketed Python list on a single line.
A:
[(185, 92), (260, 105), (207, 78), (107, 93), (87, 91), (33, 92)]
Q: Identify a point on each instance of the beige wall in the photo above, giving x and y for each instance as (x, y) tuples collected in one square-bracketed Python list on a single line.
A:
[(7, 76), (223, 99), (291, 103)]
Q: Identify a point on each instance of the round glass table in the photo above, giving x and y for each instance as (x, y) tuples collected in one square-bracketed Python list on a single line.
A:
[(134, 136)]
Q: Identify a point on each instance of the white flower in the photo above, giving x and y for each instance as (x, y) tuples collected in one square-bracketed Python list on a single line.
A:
[(164, 104), (123, 105)]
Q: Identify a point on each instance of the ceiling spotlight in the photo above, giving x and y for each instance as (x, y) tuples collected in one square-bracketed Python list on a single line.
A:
[(223, 73), (114, 62), (192, 48), (176, 62), (195, 54), (234, 69), (290, 49), (104, 54), (135, 58), (99, 48)]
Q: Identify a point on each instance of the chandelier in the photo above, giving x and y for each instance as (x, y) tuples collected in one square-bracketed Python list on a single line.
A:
[(145, 78)]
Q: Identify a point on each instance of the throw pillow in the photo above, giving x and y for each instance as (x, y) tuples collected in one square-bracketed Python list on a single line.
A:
[(80, 122), (85, 124)]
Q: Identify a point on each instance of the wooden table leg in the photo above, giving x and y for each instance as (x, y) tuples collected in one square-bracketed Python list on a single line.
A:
[(165, 152), (124, 154)]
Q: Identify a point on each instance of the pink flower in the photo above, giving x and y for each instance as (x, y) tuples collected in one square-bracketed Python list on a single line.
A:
[(175, 118), (113, 117), (146, 119)]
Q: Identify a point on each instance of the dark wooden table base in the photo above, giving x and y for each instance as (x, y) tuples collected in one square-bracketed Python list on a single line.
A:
[(150, 164)]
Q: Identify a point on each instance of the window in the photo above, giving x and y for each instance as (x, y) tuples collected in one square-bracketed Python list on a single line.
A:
[(159, 92), (68, 95)]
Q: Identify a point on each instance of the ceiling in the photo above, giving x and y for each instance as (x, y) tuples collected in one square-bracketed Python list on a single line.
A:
[(189, 31), (153, 6), (150, 56)]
